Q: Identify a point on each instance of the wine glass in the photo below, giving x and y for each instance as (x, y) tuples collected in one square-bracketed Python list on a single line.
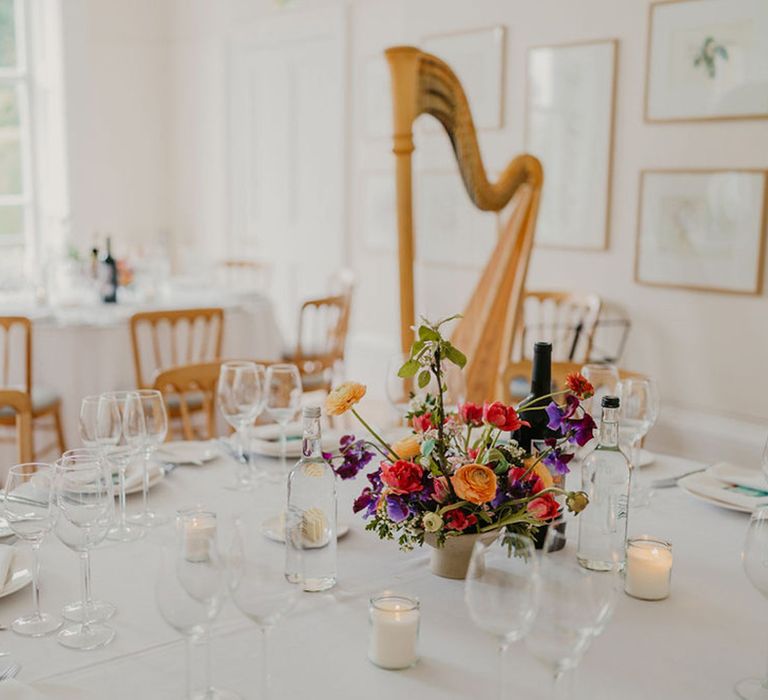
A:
[(257, 582), (575, 606), (97, 610), (149, 404), (754, 556), (502, 590), (240, 393), (28, 506), (190, 589), (100, 422), (603, 377), (638, 411), (765, 459), (283, 398), (86, 502)]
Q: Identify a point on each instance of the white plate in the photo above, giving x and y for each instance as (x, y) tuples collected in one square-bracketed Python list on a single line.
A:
[(187, 452), (265, 440), (699, 486), (134, 484), (20, 573), (272, 530)]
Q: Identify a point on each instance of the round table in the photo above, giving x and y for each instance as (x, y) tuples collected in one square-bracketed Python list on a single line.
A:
[(695, 644)]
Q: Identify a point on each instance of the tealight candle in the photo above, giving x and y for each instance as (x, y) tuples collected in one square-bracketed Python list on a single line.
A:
[(198, 531), (394, 631), (648, 572)]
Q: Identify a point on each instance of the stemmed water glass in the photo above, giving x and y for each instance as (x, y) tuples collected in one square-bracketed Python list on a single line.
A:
[(30, 512), (86, 503), (754, 557), (241, 398), (258, 584), (639, 410), (575, 606), (146, 408), (190, 588), (283, 399), (502, 591), (603, 377)]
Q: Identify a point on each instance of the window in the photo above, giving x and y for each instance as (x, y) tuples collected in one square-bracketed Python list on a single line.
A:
[(16, 197)]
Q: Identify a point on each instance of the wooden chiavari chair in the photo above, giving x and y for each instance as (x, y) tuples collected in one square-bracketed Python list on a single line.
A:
[(177, 384), (43, 402), (164, 339), (321, 341), (20, 403)]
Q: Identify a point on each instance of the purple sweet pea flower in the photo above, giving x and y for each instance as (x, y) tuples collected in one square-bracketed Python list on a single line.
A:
[(397, 510), (557, 461), (582, 429), (367, 501), (556, 416)]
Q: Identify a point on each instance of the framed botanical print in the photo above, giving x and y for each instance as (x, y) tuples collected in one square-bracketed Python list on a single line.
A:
[(477, 58), (707, 59), (569, 127), (702, 229)]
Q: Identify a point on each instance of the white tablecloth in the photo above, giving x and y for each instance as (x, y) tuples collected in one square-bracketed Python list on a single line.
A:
[(87, 350), (695, 644)]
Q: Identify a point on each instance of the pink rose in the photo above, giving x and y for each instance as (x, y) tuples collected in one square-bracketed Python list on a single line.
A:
[(402, 477)]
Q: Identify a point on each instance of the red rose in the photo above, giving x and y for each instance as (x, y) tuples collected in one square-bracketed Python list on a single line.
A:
[(422, 423), (544, 507), (503, 417), (458, 520), (402, 477), (471, 413), (579, 385)]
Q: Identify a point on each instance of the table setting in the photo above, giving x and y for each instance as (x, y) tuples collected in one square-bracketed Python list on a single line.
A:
[(221, 580)]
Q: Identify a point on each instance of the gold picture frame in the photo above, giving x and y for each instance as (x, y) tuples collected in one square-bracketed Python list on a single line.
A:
[(653, 8), (754, 252)]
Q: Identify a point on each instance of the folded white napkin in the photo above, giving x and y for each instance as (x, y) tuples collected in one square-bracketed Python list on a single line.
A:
[(740, 476), (6, 559), (716, 490)]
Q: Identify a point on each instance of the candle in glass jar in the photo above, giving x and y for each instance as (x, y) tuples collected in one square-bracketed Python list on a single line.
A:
[(648, 571), (394, 631), (199, 532)]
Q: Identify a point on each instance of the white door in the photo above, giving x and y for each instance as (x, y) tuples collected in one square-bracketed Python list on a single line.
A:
[(287, 155)]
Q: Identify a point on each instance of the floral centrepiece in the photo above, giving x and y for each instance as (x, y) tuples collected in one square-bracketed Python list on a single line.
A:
[(460, 472)]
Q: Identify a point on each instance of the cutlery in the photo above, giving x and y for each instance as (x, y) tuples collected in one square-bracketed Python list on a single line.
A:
[(10, 672), (672, 480)]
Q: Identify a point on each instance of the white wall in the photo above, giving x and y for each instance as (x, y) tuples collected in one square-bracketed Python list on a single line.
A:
[(118, 108), (147, 85)]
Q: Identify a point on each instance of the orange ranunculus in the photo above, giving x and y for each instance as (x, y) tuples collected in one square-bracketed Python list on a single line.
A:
[(408, 447), (542, 471), (475, 483), (343, 397)]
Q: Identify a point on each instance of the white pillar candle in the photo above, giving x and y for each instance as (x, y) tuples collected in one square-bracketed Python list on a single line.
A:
[(394, 631), (199, 531), (648, 571)]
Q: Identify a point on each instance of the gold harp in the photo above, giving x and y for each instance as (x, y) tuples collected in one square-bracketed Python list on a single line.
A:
[(422, 83)]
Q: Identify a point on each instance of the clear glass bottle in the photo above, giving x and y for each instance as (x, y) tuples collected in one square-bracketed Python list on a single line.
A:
[(605, 477), (312, 494)]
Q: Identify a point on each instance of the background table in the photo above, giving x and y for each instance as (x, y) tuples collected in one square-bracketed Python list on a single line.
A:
[(695, 644)]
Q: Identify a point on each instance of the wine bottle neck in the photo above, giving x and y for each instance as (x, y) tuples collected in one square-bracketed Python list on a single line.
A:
[(541, 376), (311, 442)]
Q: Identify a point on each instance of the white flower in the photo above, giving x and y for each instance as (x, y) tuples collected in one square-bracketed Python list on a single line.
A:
[(432, 522)]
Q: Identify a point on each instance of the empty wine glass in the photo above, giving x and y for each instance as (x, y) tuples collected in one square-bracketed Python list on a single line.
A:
[(283, 399), (97, 610), (639, 409), (151, 412), (603, 377), (575, 606), (28, 506), (100, 422), (119, 459), (258, 583), (502, 591), (86, 503), (190, 588), (754, 557), (241, 398)]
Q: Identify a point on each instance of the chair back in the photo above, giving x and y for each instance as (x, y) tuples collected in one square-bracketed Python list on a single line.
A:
[(565, 319), (16, 352), (21, 403), (162, 339), (198, 380), (322, 337)]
